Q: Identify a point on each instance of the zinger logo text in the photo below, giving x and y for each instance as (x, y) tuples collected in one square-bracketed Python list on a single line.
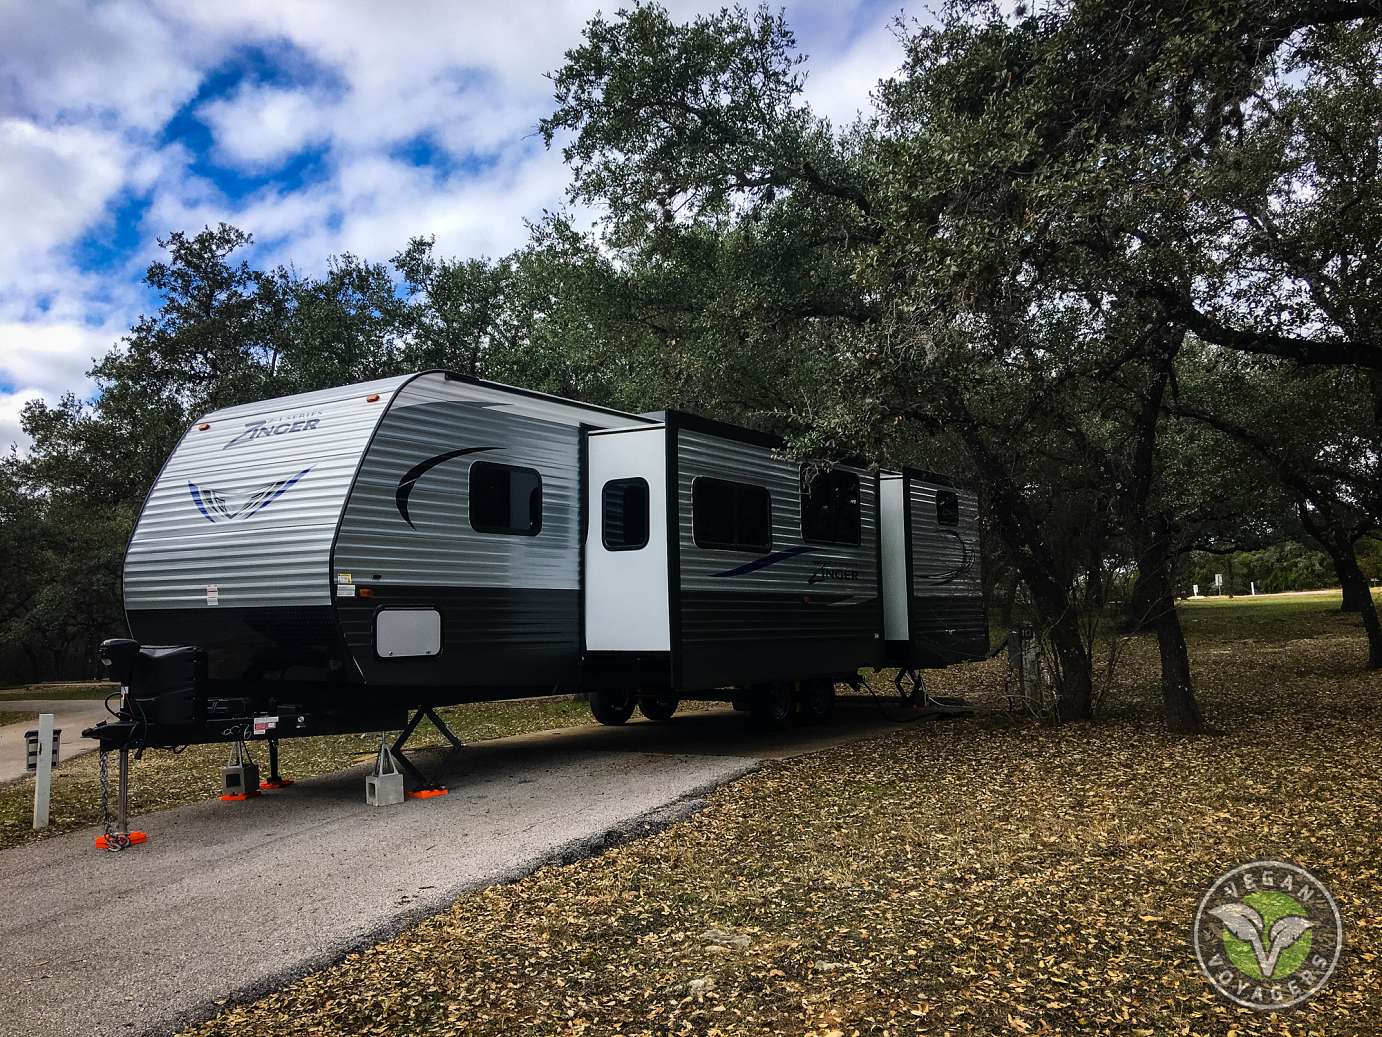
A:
[(831, 573), (276, 426)]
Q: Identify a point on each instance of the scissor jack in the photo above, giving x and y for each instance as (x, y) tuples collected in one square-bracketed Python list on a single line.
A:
[(426, 788)]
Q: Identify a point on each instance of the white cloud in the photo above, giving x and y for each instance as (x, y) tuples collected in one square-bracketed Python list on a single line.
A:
[(88, 93), (70, 59), (42, 359), (839, 84), (11, 404), (54, 183), (261, 125)]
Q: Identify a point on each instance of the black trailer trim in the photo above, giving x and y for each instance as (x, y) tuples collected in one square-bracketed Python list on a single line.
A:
[(533, 394)]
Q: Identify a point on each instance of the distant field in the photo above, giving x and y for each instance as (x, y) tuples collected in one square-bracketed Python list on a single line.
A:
[(1285, 599), (74, 690)]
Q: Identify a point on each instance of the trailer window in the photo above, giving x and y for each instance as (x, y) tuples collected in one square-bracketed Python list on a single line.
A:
[(624, 524), (505, 499), (947, 508), (829, 506), (732, 515)]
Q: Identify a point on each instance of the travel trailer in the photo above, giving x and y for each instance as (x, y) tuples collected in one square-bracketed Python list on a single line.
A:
[(331, 561)]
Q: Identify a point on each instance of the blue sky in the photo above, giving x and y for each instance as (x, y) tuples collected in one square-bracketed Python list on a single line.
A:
[(320, 127)]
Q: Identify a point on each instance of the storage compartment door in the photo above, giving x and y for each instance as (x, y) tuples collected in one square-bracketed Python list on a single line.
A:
[(626, 606)]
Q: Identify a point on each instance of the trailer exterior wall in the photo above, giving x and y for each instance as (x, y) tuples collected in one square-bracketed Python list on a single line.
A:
[(798, 610), (948, 622), (509, 603), (232, 547)]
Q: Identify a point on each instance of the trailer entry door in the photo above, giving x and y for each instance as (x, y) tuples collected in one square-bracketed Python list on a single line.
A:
[(626, 607)]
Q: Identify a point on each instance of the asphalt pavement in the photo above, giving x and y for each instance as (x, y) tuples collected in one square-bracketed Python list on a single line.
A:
[(71, 715), (230, 900)]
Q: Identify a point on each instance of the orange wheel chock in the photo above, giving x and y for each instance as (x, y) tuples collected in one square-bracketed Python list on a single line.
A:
[(427, 793), (236, 797), (135, 838), (281, 783)]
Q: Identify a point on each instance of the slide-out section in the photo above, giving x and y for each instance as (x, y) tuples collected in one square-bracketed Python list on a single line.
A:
[(628, 636), (946, 616)]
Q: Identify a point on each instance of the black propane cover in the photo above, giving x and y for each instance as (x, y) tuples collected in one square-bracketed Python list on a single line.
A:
[(168, 685)]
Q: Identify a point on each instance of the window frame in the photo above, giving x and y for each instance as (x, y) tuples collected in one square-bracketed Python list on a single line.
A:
[(858, 523), (738, 487), (502, 530), (624, 481), (952, 501)]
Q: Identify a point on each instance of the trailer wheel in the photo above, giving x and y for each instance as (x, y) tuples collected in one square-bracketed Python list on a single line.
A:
[(659, 708), (816, 700), (611, 707), (771, 707)]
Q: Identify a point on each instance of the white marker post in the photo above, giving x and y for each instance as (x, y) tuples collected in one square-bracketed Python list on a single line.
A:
[(43, 777)]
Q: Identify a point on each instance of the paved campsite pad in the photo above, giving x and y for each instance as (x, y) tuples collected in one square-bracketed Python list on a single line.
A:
[(232, 899)]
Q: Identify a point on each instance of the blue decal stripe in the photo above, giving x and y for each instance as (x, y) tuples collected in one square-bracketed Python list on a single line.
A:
[(257, 501), (196, 492), (283, 488), (767, 560)]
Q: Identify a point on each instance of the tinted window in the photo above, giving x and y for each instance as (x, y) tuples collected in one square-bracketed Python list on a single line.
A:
[(731, 515), (505, 499), (624, 526), (947, 508), (829, 506)]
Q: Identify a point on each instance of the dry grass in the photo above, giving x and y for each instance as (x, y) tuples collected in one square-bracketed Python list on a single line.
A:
[(966, 877), (164, 779)]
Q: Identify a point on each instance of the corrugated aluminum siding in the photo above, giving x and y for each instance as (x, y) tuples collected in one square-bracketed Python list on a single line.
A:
[(431, 416), (701, 454), (945, 559), (253, 515)]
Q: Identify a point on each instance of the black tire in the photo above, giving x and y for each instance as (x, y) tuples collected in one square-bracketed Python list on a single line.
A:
[(611, 708), (660, 708), (816, 700), (771, 707), (742, 703)]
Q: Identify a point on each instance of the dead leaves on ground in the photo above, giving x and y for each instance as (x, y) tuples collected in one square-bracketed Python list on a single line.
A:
[(980, 876)]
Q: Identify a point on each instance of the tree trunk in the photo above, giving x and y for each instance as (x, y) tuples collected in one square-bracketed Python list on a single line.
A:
[(1353, 579), (1355, 593), (1076, 701), (1180, 709), (1075, 672), (1138, 609), (1338, 544)]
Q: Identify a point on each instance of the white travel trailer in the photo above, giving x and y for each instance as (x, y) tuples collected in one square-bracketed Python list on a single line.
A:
[(330, 561)]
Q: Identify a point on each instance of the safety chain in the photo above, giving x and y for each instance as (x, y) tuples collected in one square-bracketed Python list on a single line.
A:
[(114, 843)]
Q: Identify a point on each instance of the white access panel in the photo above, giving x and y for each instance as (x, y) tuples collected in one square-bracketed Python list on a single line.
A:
[(402, 632), (626, 607), (892, 524)]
